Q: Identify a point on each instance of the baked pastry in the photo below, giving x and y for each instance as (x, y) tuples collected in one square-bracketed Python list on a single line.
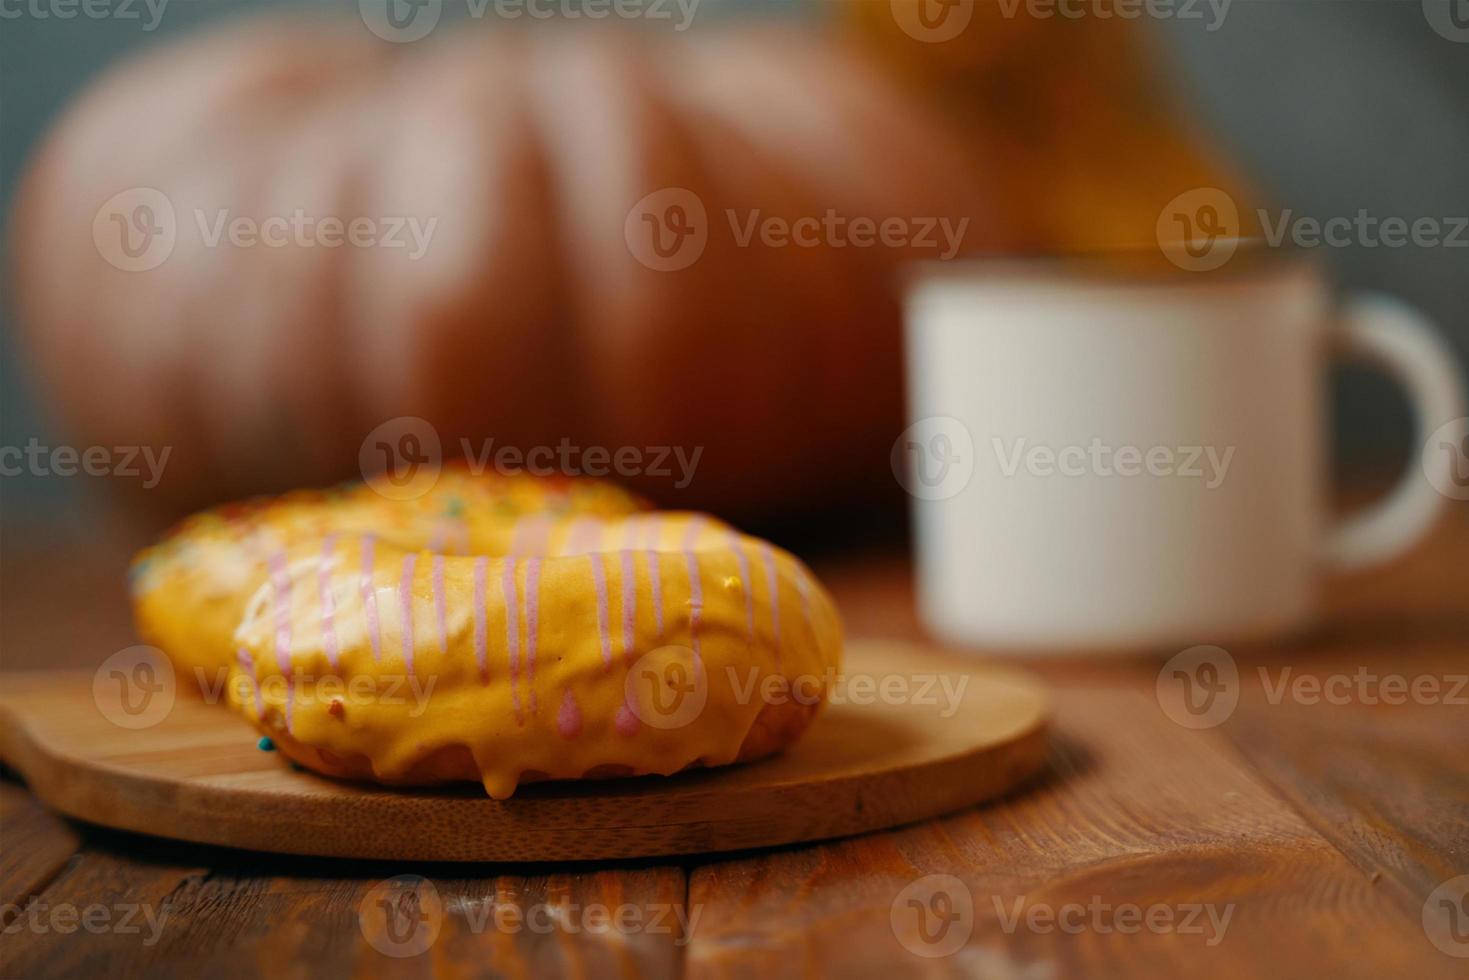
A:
[(555, 644), (189, 590)]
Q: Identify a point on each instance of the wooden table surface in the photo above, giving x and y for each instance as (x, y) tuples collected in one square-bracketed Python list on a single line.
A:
[(1305, 834)]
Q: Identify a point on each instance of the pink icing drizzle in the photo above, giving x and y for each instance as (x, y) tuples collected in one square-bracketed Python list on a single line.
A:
[(585, 536), (439, 612), (744, 564), (626, 722), (655, 575), (568, 719), (773, 586), (280, 598), (599, 579), (328, 601), (369, 599), (405, 602), (532, 623), (481, 653), (629, 604), (696, 586), (248, 663), (529, 536), (512, 631)]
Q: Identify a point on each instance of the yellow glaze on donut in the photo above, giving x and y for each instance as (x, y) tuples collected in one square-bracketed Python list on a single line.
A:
[(563, 645), (189, 590)]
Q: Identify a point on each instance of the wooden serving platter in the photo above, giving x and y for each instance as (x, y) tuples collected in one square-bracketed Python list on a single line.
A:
[(870, 761)]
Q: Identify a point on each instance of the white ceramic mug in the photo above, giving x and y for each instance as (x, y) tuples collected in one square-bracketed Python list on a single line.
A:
[(1104, 461)]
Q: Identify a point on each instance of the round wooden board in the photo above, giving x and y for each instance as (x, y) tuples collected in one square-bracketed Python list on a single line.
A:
[(870, 761)]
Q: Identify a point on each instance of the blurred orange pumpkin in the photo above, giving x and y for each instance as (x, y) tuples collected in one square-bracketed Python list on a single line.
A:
[(535, 313)]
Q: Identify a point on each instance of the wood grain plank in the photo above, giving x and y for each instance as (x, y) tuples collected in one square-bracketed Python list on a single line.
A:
[(210, 912), (35, 846), (1137, 812), (869, 761), (1387, 784)]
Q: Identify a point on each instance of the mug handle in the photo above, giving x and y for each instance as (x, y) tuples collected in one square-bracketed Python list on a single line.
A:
[(1394, 336)]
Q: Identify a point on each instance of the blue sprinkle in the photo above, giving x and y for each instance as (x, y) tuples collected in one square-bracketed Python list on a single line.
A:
[(265, 744)]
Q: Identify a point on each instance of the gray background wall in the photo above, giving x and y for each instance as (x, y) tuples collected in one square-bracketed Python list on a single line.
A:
[(1334, 105)]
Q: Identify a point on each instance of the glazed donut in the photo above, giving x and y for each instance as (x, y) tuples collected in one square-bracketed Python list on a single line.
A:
[(189, 590), (560, 645)]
